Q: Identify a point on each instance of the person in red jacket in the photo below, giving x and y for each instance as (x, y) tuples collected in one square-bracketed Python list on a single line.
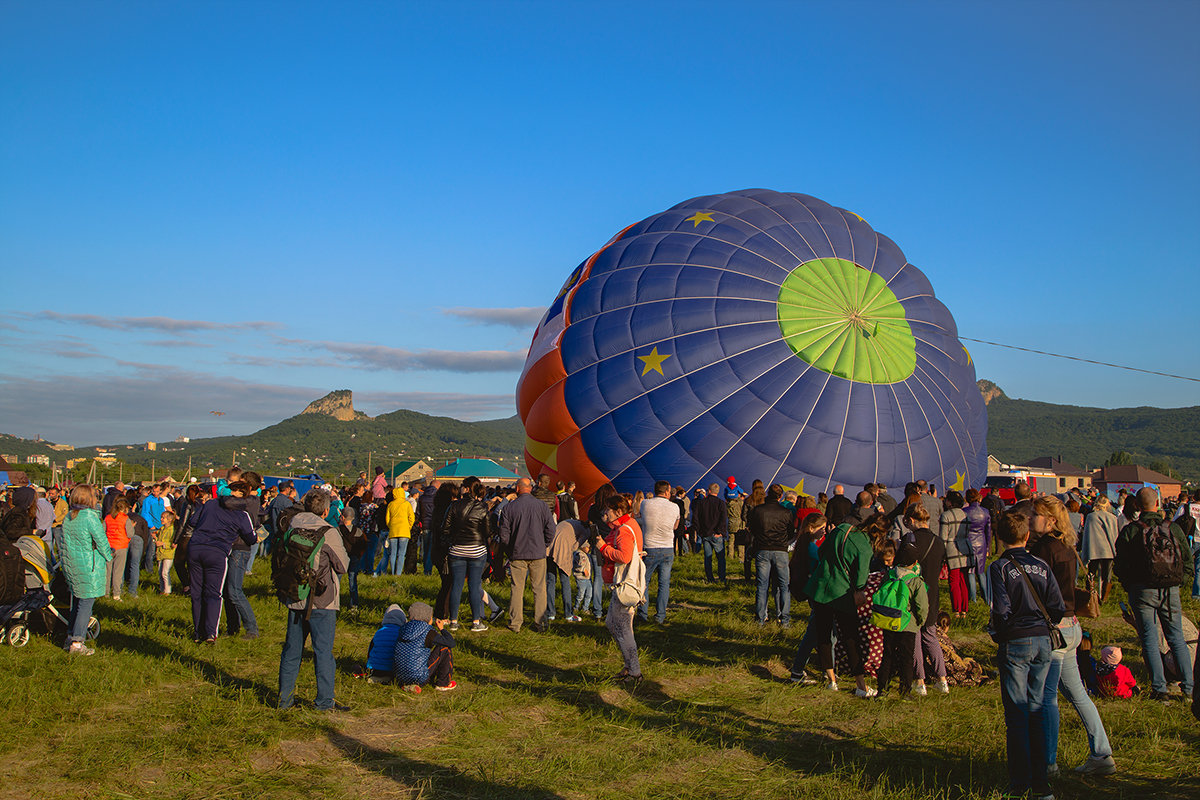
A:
[(619, 548)]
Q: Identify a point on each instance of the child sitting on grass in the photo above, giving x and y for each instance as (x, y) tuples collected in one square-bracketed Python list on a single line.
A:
[(164, 551), (1115, 678), (422, 653), (381, 655), (959, 671)]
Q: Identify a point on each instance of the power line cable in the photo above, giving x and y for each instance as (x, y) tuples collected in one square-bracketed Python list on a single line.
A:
[(1077, 358)]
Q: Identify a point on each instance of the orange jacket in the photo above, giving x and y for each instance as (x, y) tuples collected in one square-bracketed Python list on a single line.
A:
[(114, 529), (618, 547)]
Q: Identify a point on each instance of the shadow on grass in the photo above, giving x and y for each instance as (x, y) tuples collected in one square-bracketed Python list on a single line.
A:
[(865, 756), (192, 656), (416, 775)]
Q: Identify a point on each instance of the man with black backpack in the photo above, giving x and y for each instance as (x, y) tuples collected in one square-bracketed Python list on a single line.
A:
[(1150, 558), (305, 564)]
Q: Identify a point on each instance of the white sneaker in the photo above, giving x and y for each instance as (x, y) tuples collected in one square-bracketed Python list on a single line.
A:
[(80, 649), (919, 690), (943, 686), (832, 686), (866, 693)]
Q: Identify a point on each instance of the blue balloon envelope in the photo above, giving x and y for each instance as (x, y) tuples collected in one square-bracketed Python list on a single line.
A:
[(753, 334)]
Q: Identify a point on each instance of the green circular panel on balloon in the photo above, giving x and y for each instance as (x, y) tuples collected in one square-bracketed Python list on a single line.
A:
[(844, 320)]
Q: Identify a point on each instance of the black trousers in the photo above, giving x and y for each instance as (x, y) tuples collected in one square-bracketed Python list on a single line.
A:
[(441, 666), (823, 615), (897, 659)]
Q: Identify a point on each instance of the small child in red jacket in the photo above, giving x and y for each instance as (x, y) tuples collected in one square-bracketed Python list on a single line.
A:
[(1115, 678)]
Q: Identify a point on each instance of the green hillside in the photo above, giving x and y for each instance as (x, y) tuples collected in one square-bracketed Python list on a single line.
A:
[(1018, 430), (1159, 438)]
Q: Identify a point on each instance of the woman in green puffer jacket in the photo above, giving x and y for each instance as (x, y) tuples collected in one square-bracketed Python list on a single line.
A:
[(85, 552)]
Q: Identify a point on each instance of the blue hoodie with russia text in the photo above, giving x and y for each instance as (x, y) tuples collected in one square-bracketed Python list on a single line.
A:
[(1015, 612)]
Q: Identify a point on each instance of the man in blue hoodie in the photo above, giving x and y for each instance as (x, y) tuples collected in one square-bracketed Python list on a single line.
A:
[(1021, 586)]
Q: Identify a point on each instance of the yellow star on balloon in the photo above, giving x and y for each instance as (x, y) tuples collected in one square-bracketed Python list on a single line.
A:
[(700, 216), (960, 484), (798, 489), (654, 362)]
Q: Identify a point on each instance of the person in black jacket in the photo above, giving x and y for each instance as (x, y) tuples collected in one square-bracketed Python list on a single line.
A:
[(465, 530), (771, 531), (711, 518), (1019, 581)]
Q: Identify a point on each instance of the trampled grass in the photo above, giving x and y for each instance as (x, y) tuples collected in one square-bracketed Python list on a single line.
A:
[(153, 715)]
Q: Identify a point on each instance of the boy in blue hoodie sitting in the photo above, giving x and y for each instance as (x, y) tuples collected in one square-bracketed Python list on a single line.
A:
[(422, 652), (381, 655)]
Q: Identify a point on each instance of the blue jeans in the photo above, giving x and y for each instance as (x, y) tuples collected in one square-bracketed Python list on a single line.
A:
[(658, 560), (982, 591), (151, 548), (320, 626), (393, 561), (260, 532), (556, 577), (714, 545), (238, 613), (1151, 606), (597, 584), (767, 562), (584, 600), (470, 569), (1024, 666), (133, 564), (1064, 675), (427, 550), (352, 581), (81, 612), (1195, 567)]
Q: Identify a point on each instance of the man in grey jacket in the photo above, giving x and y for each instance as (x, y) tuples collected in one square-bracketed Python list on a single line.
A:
[(526, 531), (322, 617)]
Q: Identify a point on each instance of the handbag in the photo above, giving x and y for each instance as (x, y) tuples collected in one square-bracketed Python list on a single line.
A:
[(1087, 600), (1057, 640), (630, 588)]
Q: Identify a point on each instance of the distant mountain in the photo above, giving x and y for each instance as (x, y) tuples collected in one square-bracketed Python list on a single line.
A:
[(331, 438), (1160, 438)]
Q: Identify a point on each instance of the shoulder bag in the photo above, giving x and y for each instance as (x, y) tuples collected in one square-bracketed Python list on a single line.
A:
[(1087, 600), (629, 587)]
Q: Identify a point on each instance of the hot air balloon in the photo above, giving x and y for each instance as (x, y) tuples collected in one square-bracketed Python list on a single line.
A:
[(754, 334)]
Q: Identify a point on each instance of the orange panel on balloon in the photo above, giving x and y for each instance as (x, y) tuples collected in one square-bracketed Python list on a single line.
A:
[(548, 419), (542, 375), (573, 462)]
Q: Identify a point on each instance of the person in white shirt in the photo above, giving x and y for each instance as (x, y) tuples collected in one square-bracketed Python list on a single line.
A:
[(659, 517)]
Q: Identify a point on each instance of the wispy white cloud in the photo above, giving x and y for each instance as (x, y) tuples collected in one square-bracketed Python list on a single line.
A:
[(523, 318), (380, 357), (176, 343), (144, 402), (161, 324)]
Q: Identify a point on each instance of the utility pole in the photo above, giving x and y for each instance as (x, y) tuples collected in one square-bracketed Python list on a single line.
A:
[(152, 470), (368, 465)]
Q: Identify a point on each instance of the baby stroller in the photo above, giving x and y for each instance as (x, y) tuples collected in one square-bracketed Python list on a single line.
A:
[(35, 610)]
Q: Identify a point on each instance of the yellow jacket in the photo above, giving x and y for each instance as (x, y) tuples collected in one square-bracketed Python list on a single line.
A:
[(400, 519)]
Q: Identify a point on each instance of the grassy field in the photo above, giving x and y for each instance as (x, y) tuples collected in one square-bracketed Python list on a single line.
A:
[(153, 715)]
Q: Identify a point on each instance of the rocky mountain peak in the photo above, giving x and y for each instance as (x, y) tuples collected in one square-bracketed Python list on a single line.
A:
[(990, 391), (338, 404)]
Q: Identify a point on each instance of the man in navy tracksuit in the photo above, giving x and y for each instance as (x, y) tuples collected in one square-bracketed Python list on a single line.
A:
[(1023, 635), (216, 528)]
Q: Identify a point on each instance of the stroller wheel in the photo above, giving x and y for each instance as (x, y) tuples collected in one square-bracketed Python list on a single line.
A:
[(93, 628), (18, 634)]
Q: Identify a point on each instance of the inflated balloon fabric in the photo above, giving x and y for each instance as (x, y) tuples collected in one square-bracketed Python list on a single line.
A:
[(753, 334)]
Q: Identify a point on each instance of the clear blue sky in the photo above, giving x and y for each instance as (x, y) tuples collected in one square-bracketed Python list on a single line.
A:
[(240, 206)]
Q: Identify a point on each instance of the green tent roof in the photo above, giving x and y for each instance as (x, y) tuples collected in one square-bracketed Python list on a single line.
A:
[(479, 467)]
